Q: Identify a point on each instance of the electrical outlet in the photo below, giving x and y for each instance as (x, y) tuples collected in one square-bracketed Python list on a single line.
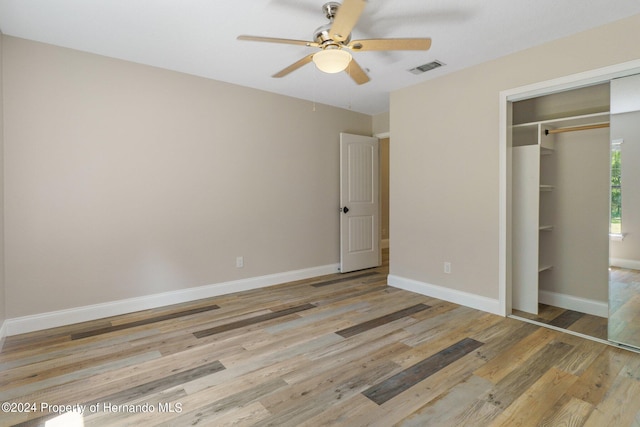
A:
[(447, 267), (239, 262)]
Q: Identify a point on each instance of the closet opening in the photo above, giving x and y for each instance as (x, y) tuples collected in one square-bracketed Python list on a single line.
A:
[(555, 201)]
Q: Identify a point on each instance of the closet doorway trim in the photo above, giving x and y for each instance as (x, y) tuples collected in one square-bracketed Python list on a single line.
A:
[(574, 81)]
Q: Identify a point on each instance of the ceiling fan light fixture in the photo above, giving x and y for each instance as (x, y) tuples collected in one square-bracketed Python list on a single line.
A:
[(332, 60)]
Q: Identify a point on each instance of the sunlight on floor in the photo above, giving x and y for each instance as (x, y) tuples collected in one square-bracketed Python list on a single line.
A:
[(68, 419)]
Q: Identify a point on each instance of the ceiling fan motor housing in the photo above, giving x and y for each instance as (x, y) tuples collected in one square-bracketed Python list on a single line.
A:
[(321, 34)]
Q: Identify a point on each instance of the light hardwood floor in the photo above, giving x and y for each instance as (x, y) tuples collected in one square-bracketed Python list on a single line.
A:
[(624, 305), (623, 324), (587, 324), (336, 350)]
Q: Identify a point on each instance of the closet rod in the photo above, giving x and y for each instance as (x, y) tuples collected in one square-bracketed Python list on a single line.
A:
[(575, 128)]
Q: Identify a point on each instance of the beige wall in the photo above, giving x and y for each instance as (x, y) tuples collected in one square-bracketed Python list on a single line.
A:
[(445, 155), (3, 309), (124, 180), (380, 123)]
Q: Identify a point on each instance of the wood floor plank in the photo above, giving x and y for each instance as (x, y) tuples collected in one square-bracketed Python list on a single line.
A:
[(425, 330), (53, 354), (530, 407), (277, 353), (480, 413), (596, 380), (442, 412), (583, 354), (243, 378), (501, 337), (12, 391), (344, 279), (568, 412), (618, 407), (524, 376), (319, 315), (48, 337), (247, 415), (252, 320), (266, 342), (374, 323), (438, 308), (388, 389), (566, 319), (134, 393), (587, 324), (352, 294), (362, 356), (207, 411), (306, 399), (594, 326), (343, 413), (166, 399), (547, 313), (338, 349), (148, 321), (423, 393), (517, 355), (443, 337)]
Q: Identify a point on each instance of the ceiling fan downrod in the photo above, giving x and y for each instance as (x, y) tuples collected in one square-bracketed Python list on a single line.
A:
[(322, 34), (330, 9)]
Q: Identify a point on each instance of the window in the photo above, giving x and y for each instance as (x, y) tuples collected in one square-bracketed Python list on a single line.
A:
[(615, 227)]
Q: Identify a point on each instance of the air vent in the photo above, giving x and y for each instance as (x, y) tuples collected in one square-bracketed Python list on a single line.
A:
[(426, 67)]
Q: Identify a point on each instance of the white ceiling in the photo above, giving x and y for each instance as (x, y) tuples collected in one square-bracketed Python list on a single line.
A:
[(199, 37)]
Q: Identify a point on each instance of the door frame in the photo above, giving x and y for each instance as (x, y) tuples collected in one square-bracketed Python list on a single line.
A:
[(506, 98), (380, 136)]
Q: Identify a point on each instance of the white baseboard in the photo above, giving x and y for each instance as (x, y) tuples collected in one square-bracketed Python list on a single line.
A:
[(570, 302), (458, 297), (70, 316), (3, 334), (631, 264), (384, 243)]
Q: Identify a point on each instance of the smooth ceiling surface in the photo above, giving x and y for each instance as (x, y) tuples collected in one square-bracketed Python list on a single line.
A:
[(199, 37)]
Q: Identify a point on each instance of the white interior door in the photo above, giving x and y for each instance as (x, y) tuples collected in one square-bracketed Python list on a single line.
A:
[(359, 203)]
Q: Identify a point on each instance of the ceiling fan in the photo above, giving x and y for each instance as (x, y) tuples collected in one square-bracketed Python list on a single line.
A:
[(334, 40)]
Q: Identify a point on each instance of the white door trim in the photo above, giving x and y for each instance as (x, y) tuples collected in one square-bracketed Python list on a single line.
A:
[(574, 81)]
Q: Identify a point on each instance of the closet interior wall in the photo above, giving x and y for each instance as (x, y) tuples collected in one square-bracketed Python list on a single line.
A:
[(568, 232)]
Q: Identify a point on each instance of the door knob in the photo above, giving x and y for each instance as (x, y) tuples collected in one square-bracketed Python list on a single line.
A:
[(345, 209)]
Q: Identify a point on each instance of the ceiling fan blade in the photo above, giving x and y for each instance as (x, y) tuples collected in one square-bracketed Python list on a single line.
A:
[(346, 18), (391, 44), (277, 40), (356, 72), (294, 66)]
